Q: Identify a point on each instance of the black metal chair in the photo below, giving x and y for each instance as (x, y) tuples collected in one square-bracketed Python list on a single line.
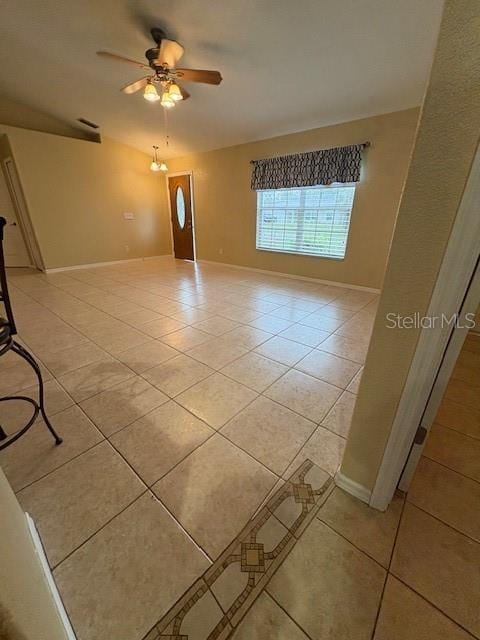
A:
[(7, 343)]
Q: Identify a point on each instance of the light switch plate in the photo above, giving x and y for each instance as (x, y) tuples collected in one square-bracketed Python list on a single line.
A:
[(128, 215)]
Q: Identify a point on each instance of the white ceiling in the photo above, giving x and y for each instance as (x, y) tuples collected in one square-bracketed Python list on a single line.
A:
[(286, 65)]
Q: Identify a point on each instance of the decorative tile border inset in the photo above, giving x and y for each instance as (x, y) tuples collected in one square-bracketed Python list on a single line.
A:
[(216, 603)]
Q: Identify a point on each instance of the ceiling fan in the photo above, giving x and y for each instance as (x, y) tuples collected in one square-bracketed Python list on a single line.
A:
[(162, 60)]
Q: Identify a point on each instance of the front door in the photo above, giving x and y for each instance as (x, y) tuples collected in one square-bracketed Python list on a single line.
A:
[(182, 221)]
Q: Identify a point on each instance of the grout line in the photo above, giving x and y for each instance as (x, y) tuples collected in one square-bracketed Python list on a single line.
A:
[(272, 597), (443, 522), (445, 466), (432, 604)]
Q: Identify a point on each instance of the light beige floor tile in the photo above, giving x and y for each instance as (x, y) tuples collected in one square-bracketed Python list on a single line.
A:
[(218, 352), (404, 615), (346, 347), (192, 315), (328, 587), (159, 440), (127, 576), (339, 417), (330, 311), (214, 492), (440, 564), (94, 378), (120, 405), (202, 619), (255, 371), (324, 448), (74, 357), (286, 312), (269, 432), (14, 414), (216, 399), (146, 355), (328, 367), (177, 375), (458, 417), (308, 396), (305, 335), (354, 385), (73, 502), (319, 320), (186, 338), (285, 351), (140, 316), (267, 620), (35, 454), (239, 314), (249, 337), (360, 326), (270, 324), (161, 327), (120, 340), (372, 531), (448, 496), (20, 376), (454, 450), (216, 325)]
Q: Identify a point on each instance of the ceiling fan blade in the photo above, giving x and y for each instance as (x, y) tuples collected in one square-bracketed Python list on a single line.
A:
[(184, 93), (136, 86), (199, 75), (115, 56), (170, 53)]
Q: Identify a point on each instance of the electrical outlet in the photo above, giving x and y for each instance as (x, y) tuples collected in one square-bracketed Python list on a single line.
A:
[(128, 215), (220, 251), (127, 249)]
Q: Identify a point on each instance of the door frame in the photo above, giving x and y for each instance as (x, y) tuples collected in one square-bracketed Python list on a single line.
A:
[(172, 174), (453, 281), (450, 357), (14, 186)]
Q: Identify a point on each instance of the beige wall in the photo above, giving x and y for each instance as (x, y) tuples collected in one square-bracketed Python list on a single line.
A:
[(77, 192), (27, 611), (445, 147), (16, 114), (225, 207)]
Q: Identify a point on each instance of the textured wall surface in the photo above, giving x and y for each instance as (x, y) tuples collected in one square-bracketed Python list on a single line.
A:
[(77, 192), (225, 206), (446, 144), (26, 608)]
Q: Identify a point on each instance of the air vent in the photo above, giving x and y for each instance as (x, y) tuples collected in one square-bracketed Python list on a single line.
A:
[(88, 123)]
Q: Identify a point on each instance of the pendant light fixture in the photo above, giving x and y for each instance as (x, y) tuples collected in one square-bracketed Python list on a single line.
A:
[(155, 165)]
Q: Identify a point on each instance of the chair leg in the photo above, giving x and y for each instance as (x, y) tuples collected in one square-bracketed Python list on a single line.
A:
[(23, 353)]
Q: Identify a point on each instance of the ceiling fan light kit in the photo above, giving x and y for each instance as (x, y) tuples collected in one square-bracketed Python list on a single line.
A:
[(162, 60), (150, 93)]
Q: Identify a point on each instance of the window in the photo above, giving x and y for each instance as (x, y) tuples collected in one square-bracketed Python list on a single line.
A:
[(312, 221)]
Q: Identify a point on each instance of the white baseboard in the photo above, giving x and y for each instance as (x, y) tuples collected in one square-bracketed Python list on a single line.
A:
[(352, 487), (74, 267), (291, 276), (37, 544)]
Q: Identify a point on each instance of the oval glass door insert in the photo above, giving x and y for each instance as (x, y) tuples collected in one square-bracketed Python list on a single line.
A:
[(180, 207)]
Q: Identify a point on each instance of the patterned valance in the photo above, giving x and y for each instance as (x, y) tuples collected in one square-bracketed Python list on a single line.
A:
[(341, 164)]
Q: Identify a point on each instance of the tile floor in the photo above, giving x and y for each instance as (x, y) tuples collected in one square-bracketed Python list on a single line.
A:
[(187, 394)]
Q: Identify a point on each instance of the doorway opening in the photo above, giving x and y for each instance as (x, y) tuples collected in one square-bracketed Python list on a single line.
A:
[(15, 246), (181, 215)]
